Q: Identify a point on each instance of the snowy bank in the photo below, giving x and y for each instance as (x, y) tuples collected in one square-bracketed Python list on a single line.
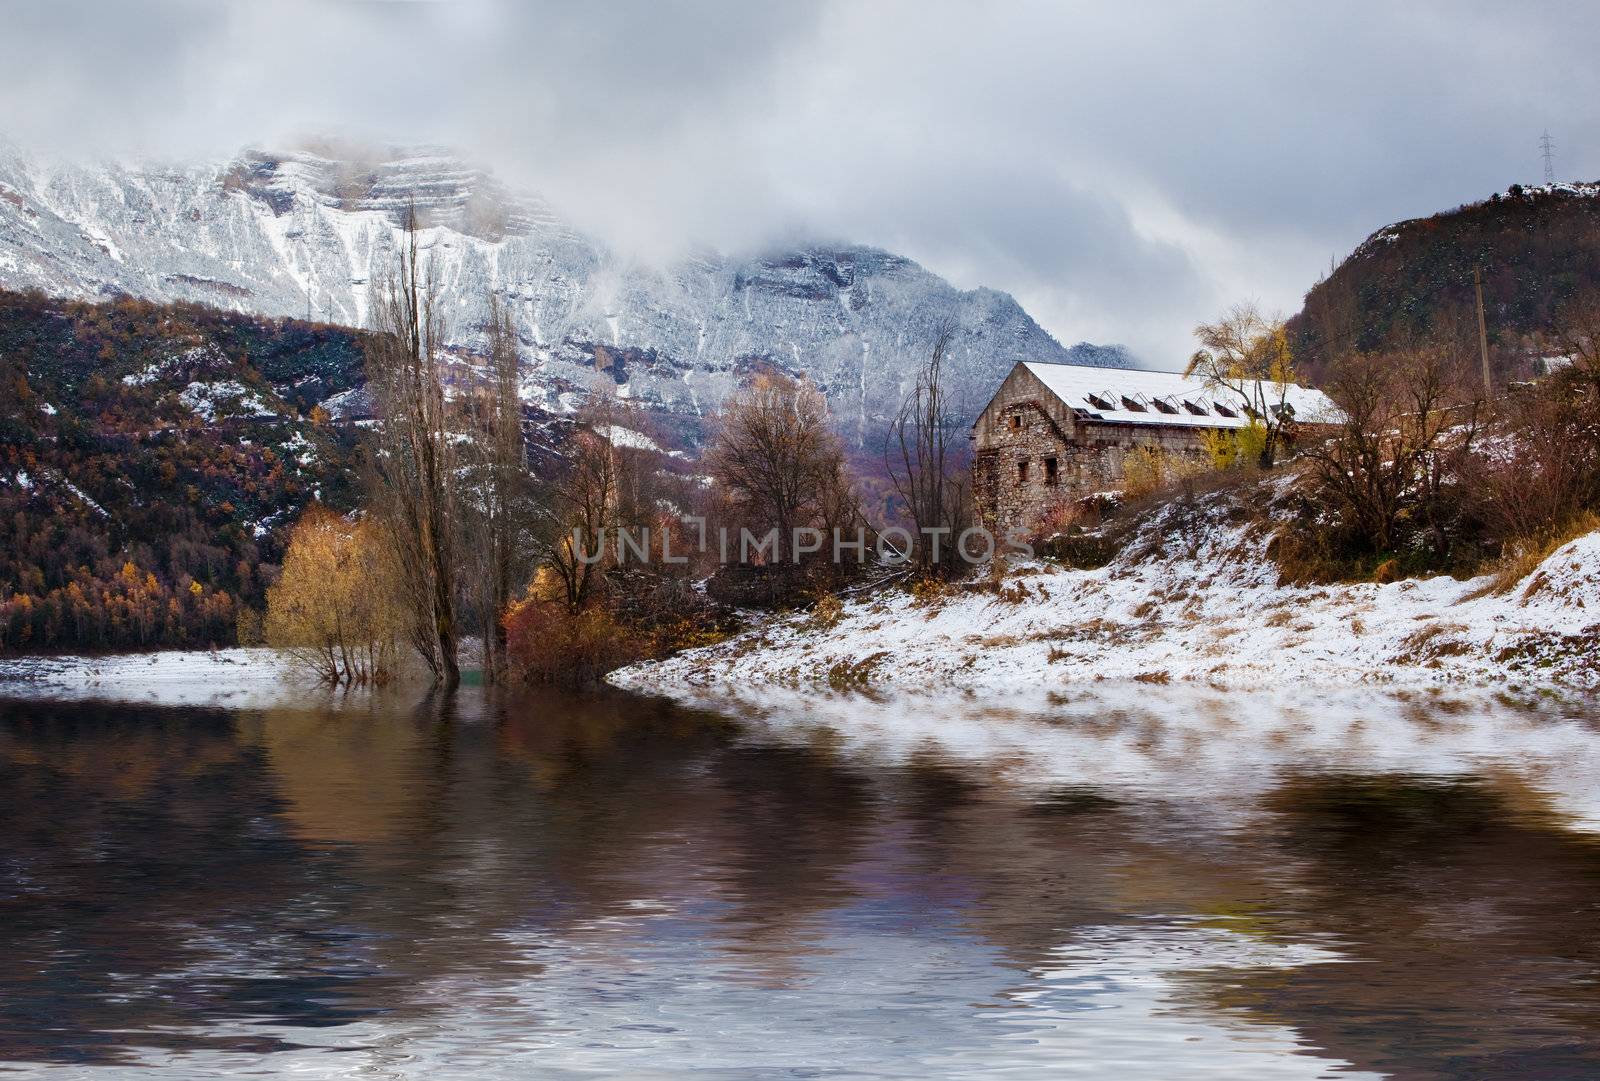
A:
[(1192, 598), (224, 677)]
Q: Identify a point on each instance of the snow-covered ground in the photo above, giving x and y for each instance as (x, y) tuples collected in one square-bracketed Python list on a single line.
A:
[(225, 677), (1193, 598)]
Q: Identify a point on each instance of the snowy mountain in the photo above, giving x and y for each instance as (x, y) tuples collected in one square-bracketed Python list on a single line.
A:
[(312, 232)]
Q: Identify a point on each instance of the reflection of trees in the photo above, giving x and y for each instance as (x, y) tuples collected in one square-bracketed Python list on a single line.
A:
[(361, 778), (544, 814), (128, 830), (668, 806), (315, 867)]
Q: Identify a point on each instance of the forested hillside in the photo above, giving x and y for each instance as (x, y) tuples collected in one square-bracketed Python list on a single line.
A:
[(1412, 281), (149, 455)]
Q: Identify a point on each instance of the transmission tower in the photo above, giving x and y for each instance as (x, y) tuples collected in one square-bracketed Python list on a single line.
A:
[(1549, 149)]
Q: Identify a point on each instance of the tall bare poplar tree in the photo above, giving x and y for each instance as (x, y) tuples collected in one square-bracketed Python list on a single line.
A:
[(414, 468), (500, 489)]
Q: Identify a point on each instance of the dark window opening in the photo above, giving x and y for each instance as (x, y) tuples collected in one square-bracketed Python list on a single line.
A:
[(1050, 470), (1015, 420), (1022, 471)]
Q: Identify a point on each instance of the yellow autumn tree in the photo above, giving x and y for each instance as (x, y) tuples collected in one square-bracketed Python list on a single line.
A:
[(335, 607), (1247, 354)]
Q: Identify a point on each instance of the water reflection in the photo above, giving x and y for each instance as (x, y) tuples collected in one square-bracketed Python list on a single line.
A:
[(558, 886)]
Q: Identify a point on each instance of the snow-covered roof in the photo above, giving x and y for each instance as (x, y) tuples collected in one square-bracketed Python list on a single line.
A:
[(1134, 396)]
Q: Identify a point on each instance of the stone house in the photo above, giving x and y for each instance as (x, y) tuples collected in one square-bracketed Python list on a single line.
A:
[(1054, 433)]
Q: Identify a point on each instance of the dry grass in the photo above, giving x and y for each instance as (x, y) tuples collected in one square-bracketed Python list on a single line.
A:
[(1016, 593), (847, 675), (1433, 641), (826, 612), (1280, 618), (1523, 558)]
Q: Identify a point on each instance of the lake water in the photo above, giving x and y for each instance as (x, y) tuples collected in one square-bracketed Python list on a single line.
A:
[(1132, 883)]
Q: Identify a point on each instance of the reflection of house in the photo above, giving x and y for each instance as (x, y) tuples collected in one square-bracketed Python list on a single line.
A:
[(1061, 431)]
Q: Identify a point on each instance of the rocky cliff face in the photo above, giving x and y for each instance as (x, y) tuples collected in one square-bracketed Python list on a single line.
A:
[(311, 233)]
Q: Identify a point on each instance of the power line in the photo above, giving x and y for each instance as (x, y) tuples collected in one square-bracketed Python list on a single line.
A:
[(1549, 149)]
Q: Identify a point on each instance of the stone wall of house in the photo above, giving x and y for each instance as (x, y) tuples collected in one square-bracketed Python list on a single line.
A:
[(1031, 453)]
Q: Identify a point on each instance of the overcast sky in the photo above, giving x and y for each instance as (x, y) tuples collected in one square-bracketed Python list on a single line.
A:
[(1124, 169)]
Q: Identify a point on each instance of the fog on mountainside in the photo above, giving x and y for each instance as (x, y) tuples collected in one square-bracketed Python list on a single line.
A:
[(307, 234)]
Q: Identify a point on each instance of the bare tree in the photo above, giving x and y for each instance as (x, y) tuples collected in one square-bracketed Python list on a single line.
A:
[(924, 459), (1577, 333), (777, 458), (583, 503), (415, 465), (1544, 475), (1406, 422), (500, 486), (1248, 354)]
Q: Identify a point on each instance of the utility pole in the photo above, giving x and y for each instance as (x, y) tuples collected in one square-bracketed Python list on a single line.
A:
[(1549, 149), (1483, 335)]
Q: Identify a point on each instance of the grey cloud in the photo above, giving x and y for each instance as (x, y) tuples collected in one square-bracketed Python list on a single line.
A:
[(1125, 170)]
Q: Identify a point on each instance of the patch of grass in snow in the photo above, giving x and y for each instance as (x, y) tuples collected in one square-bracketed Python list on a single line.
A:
[(1569, 655), (855, 675), (1429, 643), (1015, 593)]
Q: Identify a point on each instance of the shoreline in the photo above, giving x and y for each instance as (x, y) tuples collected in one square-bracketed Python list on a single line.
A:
[(1184, 604), (1181, 605), (234, 677)]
